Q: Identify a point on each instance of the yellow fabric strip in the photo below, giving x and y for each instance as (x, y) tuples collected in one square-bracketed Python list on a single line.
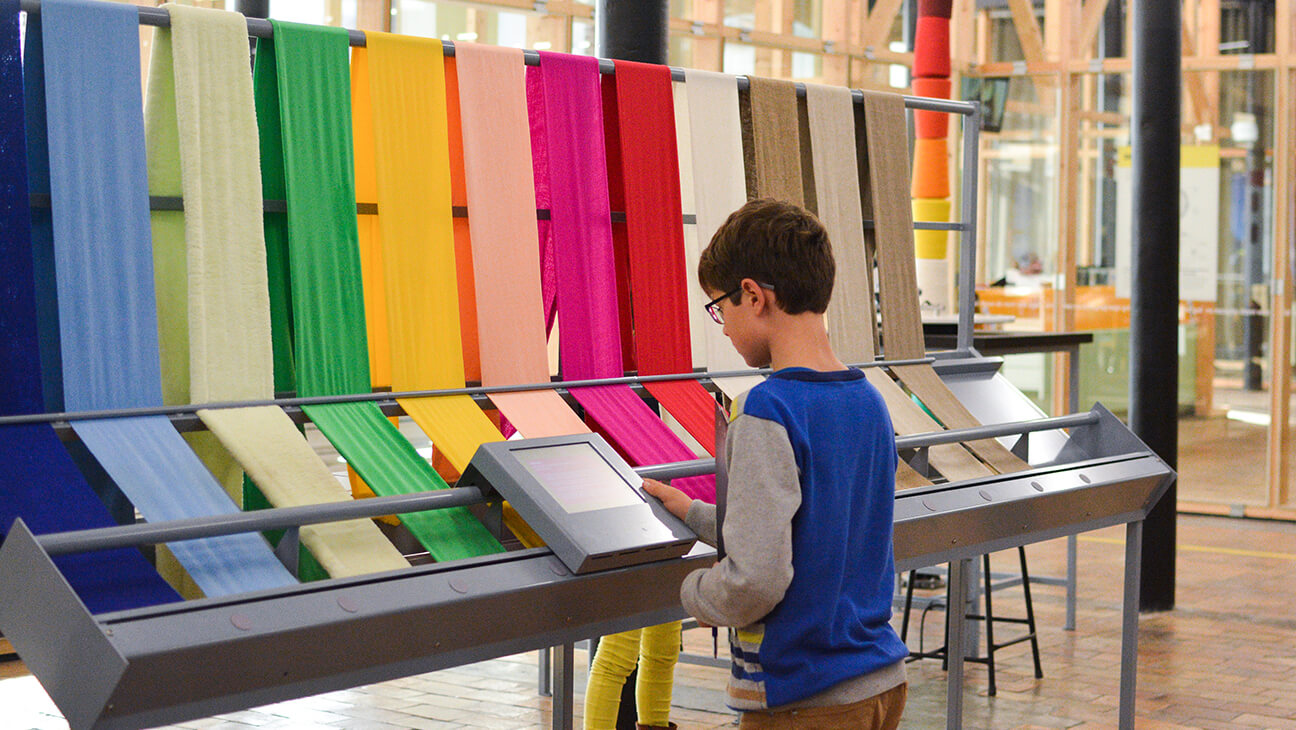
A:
[(291, 474), (407, 89), (201, 93), (375, 297)]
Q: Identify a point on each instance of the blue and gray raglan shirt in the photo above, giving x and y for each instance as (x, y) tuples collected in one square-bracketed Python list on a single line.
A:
[(807, 577)]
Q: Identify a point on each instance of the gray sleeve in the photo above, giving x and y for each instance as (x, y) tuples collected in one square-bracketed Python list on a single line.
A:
[(701, 519), (764, 494)]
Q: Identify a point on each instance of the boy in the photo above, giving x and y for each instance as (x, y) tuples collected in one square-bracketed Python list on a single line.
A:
[(806, 579)]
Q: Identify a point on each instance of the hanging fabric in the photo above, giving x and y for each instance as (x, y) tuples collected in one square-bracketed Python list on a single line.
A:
[(40, 484), (200, 129), (719, 188), (888, 173), (302, 83), (505, 251), (104, 270), (772, 140), (572, 140), (645, 127)]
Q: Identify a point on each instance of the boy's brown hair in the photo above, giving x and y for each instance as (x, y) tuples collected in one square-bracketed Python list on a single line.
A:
[(775, 243)]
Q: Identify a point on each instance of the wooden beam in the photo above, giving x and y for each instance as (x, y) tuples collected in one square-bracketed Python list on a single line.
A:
[(1028, 30), (878, 27), (1284, 278), (1091, 18), (1198, 100)]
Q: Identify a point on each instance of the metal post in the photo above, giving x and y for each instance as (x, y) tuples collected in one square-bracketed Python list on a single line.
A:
[(632, 30), (1154, 300), (1073, 361), (958, 572), (1129, 623), (563, 686), (967, 237), (544, 686)]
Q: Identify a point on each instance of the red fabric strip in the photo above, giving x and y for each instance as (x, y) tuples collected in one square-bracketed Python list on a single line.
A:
[(649, 176)]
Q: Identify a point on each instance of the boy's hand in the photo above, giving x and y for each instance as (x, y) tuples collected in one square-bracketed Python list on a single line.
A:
[(675, 501)]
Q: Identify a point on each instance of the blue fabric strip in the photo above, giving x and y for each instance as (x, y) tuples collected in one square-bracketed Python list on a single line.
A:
[(42, 224), (39, 482), (99, 197), (140, 454), (104, 269)]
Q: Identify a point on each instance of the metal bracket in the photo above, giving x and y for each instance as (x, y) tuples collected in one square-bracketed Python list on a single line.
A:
[(542, 6), (1246, 62), (919, 461), (289, 550), (1021, 449), (697, 28), (1019, 68), (830, 46), (744, 35)]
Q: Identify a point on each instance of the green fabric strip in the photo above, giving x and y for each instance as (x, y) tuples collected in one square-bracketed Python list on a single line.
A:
[(266, 95), (364, 437), (308, 68)]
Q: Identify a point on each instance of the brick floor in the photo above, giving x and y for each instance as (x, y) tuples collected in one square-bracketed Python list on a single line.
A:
[(1222, 659)]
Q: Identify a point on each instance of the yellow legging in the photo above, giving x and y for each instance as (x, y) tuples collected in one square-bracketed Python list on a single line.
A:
[(655, 649)]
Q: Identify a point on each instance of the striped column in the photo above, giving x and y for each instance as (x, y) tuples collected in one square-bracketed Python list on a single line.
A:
[(931, 77)]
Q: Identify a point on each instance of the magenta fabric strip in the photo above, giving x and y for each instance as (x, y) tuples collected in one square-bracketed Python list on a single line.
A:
[(565, 103), (540, 166), (643, 439), (580, 215)]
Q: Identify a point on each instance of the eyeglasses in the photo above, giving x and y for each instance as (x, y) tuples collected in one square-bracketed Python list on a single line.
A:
[(713, 307)]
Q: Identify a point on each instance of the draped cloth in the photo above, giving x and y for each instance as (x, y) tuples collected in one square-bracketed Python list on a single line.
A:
[(302, 89), (40, 483), (572, 139), (887, 172), (501, 201), (650, 177), (715, 137), (214, 257), (106, 305)]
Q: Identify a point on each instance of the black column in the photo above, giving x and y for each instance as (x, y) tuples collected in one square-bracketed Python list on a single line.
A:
[(632, 30), (1154, 300), (254, 8)]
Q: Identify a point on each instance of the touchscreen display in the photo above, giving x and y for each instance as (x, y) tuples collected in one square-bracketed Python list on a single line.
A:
[(577, 477)]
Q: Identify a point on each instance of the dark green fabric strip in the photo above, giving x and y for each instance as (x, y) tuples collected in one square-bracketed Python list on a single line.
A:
[(266, 93), (364, 436), (306, 68)]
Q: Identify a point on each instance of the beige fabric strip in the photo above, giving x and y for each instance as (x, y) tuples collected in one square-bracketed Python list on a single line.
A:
[(888, 185), (888, 168), (953, 461), (831, 117), (716, 143), (923, 382), (774, 160)]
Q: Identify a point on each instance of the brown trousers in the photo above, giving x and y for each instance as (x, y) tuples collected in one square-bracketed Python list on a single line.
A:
[(880, 712)]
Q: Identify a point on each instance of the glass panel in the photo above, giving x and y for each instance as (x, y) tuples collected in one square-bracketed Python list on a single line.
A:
[(1223, 435)]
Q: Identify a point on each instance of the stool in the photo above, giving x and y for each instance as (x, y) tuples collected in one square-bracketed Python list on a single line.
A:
[(989, 618)]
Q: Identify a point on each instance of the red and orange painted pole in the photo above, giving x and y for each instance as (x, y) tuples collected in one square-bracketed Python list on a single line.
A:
[(931, 188)]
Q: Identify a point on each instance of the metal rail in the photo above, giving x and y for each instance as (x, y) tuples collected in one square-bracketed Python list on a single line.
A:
[(386, 396)]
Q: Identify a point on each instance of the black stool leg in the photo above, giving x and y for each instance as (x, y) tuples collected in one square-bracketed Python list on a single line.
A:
[(989, 625), (904, 623), (1030, 613)]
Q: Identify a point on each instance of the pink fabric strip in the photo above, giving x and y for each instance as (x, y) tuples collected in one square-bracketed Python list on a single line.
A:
[(540, 168), (571, 140)]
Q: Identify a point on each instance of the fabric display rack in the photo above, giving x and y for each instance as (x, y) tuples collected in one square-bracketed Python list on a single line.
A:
[(367, 225)]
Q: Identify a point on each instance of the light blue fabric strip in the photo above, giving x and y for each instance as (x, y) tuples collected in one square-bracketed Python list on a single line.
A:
[(141, 455), (99, 197), (104, 267)]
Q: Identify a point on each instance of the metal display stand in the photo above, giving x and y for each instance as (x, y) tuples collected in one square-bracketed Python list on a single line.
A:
[(176, 662)]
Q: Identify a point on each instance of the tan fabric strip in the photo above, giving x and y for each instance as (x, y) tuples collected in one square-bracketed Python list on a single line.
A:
[(831, 119), (774, 162), (923, 381), (951, 460), (888, 182), (888, 185)]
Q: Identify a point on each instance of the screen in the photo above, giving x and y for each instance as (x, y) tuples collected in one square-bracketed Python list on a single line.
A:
[(577, 477)]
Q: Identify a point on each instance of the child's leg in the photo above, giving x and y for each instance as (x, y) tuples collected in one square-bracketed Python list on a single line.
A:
[(613, 662), (659, 650)]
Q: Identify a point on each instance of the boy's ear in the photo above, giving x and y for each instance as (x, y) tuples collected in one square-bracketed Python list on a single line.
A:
[(757, 295)]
